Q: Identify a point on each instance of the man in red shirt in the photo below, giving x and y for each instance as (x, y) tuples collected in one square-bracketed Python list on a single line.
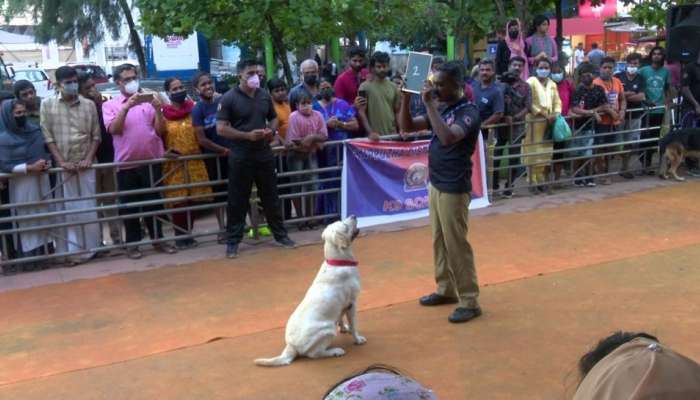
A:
[(348, 82)]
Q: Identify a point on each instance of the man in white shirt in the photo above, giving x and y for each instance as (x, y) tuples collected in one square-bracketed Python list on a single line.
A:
[(579, 55)]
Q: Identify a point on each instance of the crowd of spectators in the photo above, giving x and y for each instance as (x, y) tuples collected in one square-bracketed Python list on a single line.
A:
[(261, 127)]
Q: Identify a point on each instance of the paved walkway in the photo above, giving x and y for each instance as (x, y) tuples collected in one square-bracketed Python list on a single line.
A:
[(624, 262)]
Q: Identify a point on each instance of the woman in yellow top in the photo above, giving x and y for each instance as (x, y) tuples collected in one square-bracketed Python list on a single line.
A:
[(546, 106), (180, 140)]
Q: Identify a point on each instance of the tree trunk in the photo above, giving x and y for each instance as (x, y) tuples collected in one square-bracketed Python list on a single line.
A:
[(560, 27), (135, 38), (280, 50)]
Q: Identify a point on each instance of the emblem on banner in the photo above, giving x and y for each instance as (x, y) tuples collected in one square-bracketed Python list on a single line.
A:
[(415, 178)]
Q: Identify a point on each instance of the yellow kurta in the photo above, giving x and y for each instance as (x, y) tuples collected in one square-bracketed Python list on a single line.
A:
[(545, 99), (180, 136)]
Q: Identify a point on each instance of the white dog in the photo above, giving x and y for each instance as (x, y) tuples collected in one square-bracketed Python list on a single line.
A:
[(333, 293)]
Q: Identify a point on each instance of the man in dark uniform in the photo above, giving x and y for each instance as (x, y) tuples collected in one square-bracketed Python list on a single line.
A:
[(247, 117), (455, 132)]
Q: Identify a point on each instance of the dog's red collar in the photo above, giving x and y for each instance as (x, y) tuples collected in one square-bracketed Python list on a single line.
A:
[(341, 263)]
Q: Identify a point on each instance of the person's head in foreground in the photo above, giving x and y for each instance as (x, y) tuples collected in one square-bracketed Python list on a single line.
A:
[(635, 366), (379, 382)]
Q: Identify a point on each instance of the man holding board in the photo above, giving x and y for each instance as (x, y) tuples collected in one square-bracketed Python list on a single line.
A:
[(455, 133)]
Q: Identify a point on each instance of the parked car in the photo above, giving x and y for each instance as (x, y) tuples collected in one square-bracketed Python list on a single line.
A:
[(94, 71), (42, 83)]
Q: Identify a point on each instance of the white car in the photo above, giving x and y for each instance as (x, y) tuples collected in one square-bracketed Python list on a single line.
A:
[(42, 83)]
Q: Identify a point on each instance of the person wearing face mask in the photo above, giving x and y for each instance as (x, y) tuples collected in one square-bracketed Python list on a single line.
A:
[(306, 133), (22, 152), (308, 85), (613, 120), (247, 117), (379, 107), (71, 129), (26, 93), (341, 122), (513, 45), (517, 98), (587, 106), (180, 140), (565, 88), (546, 107), (634, 86), (105, 154), (455, 133), (135, 120)]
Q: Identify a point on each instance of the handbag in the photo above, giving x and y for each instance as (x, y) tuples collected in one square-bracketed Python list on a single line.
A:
[(561, 130)]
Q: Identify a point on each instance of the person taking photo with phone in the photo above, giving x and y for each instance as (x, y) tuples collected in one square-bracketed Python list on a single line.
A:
[(136, 122)]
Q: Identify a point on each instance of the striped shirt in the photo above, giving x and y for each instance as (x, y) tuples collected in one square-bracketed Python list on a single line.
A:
[(71, 126)]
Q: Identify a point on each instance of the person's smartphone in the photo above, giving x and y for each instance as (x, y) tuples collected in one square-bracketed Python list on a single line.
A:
[(362, 93), (145, 97)]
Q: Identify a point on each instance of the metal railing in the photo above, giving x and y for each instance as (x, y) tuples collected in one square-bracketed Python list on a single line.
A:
[(50, 214)]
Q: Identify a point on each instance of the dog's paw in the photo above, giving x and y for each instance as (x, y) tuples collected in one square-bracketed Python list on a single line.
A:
[(661, 176), (679, 179), (360, 339), (336, 352), (344, 328)]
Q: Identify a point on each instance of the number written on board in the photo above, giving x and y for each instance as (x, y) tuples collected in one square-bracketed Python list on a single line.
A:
[(415, 71)]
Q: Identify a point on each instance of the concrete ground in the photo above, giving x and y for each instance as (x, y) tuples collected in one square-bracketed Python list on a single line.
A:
[(556, 277)]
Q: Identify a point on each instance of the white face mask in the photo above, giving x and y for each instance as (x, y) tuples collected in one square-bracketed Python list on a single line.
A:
[(632, 70), (542, 73), (132, 87)]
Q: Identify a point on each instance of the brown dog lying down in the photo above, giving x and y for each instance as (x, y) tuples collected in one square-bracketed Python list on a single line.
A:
[(674, 148)]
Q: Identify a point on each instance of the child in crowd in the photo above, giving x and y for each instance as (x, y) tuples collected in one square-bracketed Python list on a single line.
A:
[(305, 135)]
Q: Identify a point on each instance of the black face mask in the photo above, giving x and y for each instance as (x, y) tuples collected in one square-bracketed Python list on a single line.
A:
[(513, 34), (21, 121), (510, 77), (311, 80), (178, 97), (327, 94)]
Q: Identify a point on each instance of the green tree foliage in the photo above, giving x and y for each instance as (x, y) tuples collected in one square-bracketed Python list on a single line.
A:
[(653, 13), (69, 20), (290, 24)]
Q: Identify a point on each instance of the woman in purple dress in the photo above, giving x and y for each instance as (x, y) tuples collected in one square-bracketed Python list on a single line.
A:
[(341, 120)]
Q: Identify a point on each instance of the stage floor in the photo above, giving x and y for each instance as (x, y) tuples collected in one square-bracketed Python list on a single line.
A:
[(554, 281)]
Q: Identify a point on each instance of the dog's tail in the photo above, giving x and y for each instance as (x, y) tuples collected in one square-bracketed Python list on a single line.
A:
[(288, 355)]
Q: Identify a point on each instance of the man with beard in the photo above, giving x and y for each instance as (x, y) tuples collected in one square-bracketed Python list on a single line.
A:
[(347, 83), (26, 93), (204, 124), (455, 133), (379, 99)]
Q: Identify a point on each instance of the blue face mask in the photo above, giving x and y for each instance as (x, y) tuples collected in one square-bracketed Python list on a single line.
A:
[(558, 77), (542, 73)]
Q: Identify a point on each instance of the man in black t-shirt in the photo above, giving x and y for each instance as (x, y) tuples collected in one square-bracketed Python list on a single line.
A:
[(455, 132), (587, 106), (691, 106), (247, 117), (635, 86)]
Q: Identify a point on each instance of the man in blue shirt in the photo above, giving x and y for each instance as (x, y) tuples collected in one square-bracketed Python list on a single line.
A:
[(204, 124), (488, 95)]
